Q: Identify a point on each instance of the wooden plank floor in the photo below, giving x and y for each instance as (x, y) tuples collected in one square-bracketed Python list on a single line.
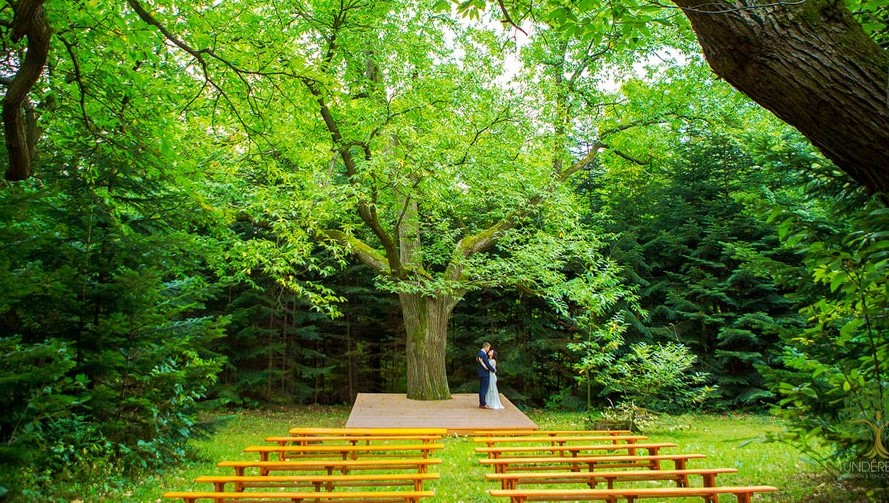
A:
[(460, 414)]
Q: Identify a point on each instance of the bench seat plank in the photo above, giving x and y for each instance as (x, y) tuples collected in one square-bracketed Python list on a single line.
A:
[(518, 433), (406, 496), (331, 465), (352, 439), (511, 480), (367, 431), (344, 451), (558, 439), (574, 450), (591, 462), (743, 493), (318, 481)]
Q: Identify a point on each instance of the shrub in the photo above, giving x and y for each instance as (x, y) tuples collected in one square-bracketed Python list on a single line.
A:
[(656, 377)]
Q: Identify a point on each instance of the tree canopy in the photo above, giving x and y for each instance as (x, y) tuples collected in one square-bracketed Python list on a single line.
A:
[(247, 202)]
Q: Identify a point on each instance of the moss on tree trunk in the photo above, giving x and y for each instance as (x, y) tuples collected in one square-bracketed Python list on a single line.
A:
[(426, 322)]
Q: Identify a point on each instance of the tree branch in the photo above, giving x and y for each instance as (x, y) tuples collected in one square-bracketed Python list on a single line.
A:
[(507, 19), (483, 240), (364, 252), (20, 134), (199, 56), (78, 78)]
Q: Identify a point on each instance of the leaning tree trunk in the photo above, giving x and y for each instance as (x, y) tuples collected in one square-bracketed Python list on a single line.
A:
[(426, 322), (811, 64), (19, 123)]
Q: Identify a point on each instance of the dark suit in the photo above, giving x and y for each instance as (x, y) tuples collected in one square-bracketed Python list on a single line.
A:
[(484, 375)]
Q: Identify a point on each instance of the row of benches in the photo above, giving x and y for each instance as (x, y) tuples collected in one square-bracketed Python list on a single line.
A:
[(328, 459), (568, 458)]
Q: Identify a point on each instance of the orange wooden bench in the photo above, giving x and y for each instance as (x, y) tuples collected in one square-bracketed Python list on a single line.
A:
[(352, 496), (421, 465), (306, 431), (511, 480), (319, 481), (518, 433), (558, 439), (743, 493), (574, 450), (344, 451), (590, 463), (351, 439)]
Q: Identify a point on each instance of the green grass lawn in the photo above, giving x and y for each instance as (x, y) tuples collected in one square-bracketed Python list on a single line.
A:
[(725, 440)]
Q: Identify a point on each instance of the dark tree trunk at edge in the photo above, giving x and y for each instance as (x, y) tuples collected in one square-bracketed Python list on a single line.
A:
[(812, 65)]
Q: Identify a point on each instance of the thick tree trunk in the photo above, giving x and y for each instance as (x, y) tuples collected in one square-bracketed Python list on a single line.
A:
[(812, 65), (426, 322)]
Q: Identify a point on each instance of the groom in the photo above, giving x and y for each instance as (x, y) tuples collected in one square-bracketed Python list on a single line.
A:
[(484, 373)]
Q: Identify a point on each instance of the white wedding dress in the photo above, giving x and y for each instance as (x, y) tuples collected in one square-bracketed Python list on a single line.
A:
[(493, 396)]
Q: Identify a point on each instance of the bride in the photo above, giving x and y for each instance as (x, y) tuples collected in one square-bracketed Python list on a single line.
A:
[(493, 396)]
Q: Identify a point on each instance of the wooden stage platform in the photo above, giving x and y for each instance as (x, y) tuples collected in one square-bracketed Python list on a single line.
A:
[(459, 415)]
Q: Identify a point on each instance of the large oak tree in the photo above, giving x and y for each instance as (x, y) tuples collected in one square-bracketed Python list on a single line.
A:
[(421, 166)]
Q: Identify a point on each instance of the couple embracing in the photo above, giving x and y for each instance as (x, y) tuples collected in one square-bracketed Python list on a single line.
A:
[(488, 396)]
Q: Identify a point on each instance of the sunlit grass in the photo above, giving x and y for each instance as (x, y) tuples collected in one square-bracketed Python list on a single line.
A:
[(727, 441)]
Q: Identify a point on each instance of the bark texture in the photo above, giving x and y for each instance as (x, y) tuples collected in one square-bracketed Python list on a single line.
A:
[(426, 323), (18, 119), (811, 64)]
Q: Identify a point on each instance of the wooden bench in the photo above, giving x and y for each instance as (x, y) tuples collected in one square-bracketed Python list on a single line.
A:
[(351, 439), (354, 496), (559, 439), (575, 463), (743, 493), (519, 433), (511, 480), (319, 481), (306, 431), (574, 450), (421, 465), (344, 451)]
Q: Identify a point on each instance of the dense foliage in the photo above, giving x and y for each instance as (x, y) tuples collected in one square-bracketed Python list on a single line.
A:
[(243, 204), (106, 335)]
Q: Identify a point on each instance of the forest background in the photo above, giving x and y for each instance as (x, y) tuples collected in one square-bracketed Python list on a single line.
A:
[(236, 204)]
